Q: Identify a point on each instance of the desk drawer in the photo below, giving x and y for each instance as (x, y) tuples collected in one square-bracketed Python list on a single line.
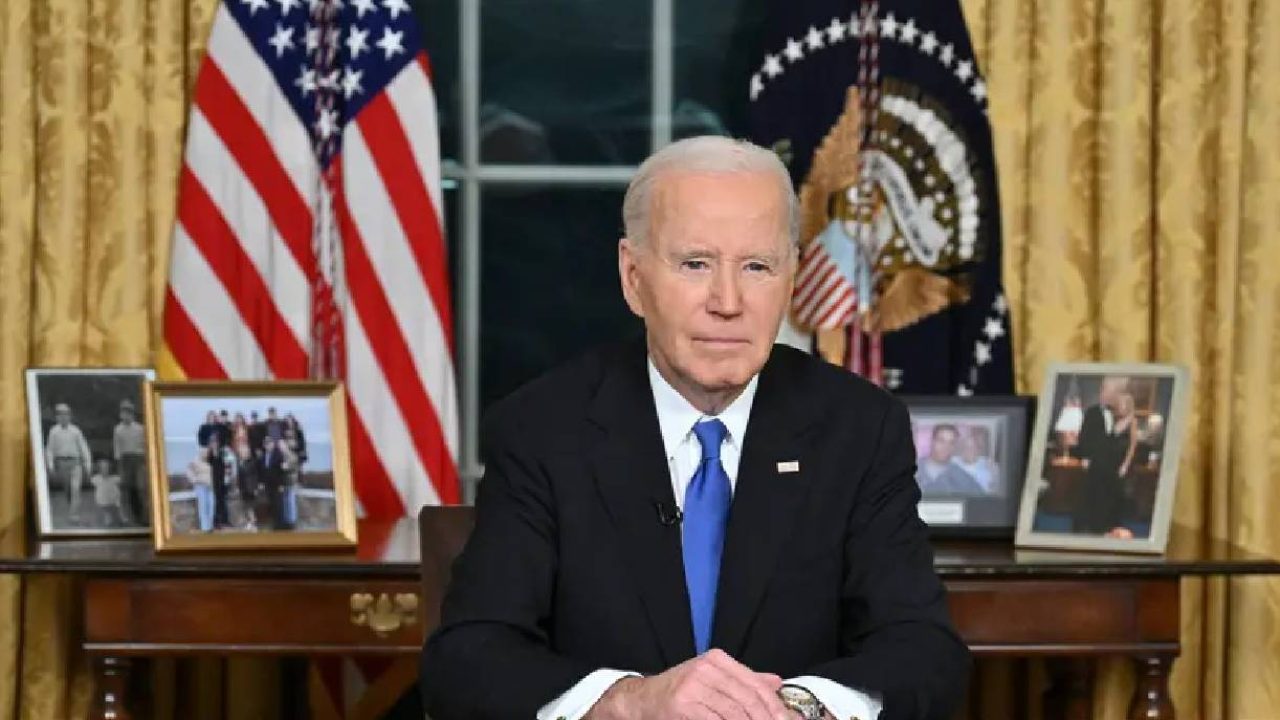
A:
[(268, 616), (1084, 616)]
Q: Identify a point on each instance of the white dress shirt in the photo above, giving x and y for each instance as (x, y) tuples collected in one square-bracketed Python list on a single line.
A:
[(676, 418), (130, 439), (67, 442)]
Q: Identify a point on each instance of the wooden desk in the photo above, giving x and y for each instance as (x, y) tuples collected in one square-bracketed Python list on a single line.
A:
[(384, 599)]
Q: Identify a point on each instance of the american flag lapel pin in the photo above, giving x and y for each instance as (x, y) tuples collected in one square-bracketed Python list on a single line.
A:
[(790, 466)]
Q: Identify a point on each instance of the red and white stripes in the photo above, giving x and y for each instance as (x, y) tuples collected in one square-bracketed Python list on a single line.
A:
[(241, 300), (824, 298)]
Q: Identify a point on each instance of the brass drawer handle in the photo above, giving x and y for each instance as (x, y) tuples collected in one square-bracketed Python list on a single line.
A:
[(384, 614)]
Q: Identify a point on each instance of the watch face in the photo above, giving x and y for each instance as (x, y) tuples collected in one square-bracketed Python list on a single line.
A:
[(800, 700)]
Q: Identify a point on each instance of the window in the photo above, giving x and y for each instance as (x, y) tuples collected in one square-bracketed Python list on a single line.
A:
[(546, 108)]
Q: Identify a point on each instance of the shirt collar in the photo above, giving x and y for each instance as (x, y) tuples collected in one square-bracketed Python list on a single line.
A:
[(677, 416)]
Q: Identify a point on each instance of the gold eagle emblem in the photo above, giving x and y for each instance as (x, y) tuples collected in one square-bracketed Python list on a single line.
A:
[(908, 285)]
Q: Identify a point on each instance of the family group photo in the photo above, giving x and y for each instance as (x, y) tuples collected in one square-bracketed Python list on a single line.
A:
[(248, 465)]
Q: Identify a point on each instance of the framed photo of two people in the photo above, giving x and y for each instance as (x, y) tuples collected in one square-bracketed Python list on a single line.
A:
[(1103, 466), (971, 452)]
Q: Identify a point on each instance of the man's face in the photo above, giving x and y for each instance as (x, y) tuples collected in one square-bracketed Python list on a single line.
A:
[(943, 446), (713, 279), (62, 417), (1109, 392), (126, 416)]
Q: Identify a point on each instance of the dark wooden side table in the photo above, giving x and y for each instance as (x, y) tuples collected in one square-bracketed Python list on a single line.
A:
[(140, 605), (383, 599), (1076, 606)]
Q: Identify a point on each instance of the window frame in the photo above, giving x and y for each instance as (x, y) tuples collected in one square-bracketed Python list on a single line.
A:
[(468, 176)]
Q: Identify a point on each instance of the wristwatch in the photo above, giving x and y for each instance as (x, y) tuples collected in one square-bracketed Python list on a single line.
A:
[(801, 701)]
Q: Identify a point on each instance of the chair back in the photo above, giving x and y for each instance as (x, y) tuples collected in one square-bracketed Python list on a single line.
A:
[(442, 532)]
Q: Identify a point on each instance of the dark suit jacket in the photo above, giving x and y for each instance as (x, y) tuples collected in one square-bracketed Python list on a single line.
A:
[(257, 436), (1093, 432), (826, 571), (206, 431), (1099, 498)]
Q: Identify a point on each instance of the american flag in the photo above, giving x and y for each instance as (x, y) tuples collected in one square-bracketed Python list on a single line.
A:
[(309, 241), (825, 293)]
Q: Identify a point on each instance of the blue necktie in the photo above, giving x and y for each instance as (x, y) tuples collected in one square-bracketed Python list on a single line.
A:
[(706, 511)]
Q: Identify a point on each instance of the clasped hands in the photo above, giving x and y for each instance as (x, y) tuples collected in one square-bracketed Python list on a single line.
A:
[(712, 686)]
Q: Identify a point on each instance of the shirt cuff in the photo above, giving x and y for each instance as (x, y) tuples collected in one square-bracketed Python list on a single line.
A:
[(578, 700), (843, 703)]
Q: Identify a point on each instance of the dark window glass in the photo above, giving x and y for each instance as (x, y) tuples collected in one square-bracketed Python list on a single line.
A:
[(550, 281), (439, 20), (565, 81), (716, 50)]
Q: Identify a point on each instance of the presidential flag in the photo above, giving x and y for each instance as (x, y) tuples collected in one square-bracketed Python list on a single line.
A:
[(308, 240), (880, 112)]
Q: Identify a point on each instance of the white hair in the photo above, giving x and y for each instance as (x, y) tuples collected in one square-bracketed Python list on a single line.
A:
[(704, 154)]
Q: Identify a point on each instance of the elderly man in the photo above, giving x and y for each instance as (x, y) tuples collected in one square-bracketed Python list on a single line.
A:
[(1099, 497), (702, 524), (67, 457)]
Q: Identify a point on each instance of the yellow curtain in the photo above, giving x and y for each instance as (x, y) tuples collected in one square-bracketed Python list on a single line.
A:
[(93, 101), (1138, 145)]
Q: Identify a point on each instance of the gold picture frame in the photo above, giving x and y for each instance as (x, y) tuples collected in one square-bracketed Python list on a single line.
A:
[(265, 488)]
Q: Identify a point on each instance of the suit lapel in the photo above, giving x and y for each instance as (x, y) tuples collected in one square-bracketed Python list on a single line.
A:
[(766, 504), (632, 476)]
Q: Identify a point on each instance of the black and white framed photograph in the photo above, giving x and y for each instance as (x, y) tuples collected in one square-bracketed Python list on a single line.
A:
[(89, 450), (250, 465), (1104, 459), (970, 453)]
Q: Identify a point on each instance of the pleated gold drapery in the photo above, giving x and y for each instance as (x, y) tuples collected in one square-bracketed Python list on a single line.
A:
[(1138, 143), (93, 103)]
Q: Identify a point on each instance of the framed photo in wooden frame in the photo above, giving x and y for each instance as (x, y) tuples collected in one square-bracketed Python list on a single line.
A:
[(250, 465)]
